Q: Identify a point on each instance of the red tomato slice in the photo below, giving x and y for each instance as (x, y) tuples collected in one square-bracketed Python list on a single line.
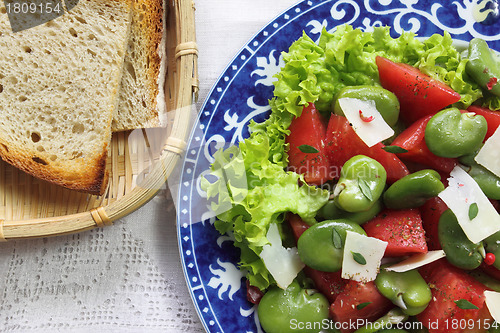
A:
[(308, 130), (412, 139), (342, 143), (329, 284), (431, 212), (450, 284), (297, 224), (492, 118), (418, 94), (402, 229), (345, 311)]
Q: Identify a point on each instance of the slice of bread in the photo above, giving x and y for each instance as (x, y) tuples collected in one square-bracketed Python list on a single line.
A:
[(142, 98), (59, 85)]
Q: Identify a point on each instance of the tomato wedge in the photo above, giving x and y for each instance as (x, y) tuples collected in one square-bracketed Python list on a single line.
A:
[(358, 304), (330, 284), (342, 143), (306, 153), (492, 118), (412, 139), (297, 225), (449, 285), (431, 212), (401, 229), (418, 94)]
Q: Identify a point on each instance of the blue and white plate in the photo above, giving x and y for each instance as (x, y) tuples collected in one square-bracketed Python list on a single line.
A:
[(241, 94)]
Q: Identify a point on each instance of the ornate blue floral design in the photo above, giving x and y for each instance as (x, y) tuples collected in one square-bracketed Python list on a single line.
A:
[(241, 94)]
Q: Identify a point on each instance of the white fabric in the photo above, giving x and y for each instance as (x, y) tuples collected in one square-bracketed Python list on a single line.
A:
[(124, 278)]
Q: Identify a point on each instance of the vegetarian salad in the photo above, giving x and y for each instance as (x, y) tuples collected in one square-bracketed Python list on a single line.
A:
[(370, 200)]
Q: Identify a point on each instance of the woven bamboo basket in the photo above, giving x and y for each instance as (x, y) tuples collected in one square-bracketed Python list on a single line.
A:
[(139, 161)]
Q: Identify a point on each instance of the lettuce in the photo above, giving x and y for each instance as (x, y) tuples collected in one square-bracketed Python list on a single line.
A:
[(252, 188), (254, 192), (443, 62)]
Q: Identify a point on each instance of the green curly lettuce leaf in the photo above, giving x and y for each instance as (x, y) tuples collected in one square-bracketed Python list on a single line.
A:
[(252, 193), (442, 61), (491, 102)]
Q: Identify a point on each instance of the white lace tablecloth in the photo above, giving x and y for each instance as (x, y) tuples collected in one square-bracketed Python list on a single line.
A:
[(128, 277)]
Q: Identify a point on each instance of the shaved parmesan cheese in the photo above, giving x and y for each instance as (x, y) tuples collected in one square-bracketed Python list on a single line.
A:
[(371, 249), (492, 300), (417, 261), (460, 194), (283, 264), (489, 154), (373, 129)]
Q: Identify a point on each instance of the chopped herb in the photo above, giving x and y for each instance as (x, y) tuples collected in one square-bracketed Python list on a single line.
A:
[(395, 149), (473, 210), (465, 305), (358, 257), (308, 149), (337, 240), (363, 305), (365, 189)]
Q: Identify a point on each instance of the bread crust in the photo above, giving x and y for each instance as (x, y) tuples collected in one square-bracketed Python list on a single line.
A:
[(91, 177), (154, 38), (147, 23)]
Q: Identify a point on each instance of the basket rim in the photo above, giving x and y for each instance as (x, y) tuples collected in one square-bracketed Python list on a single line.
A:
[(185, 62)]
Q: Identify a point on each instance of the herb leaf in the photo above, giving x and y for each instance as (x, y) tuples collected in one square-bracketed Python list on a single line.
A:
[(363, 305), (473, 210), (358, 257), (465, 305), (365, 189), (337, 240), (308, 149), (395, 149)]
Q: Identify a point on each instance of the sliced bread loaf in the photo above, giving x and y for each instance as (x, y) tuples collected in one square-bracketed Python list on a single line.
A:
[(59, 85), (141, 101)]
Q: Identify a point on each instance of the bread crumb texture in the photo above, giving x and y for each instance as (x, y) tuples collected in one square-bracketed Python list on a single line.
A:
[(58, 92)]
